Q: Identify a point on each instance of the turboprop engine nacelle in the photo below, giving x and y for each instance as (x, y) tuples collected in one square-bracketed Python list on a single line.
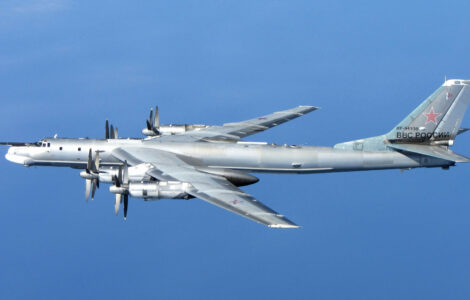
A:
[(238, 178), (155, 190), (136, 174), (173, 129), (90, 176), (148, 132)]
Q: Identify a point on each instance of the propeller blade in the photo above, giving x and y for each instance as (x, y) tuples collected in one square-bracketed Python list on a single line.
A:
[(107, 129), (97, 162), (156, 121), (87, 189), (111, 132), (96, 181), (93, 189), (150, 120), (126, 200), (89, 166), (115, 180), (119, 177), (125, 174), (117, 203)]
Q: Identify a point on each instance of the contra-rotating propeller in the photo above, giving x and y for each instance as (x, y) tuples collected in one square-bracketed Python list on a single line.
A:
[(121, 188), (153, 123), (91, 175), (110, 133)]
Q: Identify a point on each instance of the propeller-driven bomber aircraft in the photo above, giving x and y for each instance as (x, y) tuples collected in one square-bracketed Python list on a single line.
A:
[(211, 162)]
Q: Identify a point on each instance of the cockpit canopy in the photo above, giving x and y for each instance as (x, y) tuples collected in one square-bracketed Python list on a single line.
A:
[(43, 143)]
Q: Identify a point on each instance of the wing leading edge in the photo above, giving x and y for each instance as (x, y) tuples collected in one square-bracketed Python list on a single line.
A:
[(232, 132), (217, 190)]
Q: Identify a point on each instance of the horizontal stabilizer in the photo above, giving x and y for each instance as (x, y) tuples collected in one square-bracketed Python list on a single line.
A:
[(462, 130), (433, 151)]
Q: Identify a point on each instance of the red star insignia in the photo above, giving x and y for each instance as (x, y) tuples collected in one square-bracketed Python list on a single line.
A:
[(262, 118), (235, 202), (431, 116)]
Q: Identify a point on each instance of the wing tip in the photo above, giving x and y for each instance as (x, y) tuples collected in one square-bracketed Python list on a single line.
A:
[(309, 107), (283, 226)]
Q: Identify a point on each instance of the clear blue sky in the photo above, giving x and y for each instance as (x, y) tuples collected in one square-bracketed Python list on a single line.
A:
[(67, 65)]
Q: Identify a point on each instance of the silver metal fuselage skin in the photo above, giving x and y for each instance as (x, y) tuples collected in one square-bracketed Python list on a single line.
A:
[(245, 156)]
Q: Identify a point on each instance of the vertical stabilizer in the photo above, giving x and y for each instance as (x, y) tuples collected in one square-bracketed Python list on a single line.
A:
[(437, 120)]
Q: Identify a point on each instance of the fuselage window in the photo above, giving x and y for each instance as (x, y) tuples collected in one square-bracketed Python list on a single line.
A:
[(44, 144), (79, 149), (60, 148), (48, 144)]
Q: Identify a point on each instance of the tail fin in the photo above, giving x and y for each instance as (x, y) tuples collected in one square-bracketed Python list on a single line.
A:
[(437, 120)]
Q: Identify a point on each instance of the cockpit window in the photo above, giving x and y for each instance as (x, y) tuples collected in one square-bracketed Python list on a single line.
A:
[(40, 143)]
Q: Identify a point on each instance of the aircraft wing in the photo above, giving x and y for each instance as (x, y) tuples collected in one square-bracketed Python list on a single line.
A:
[(235, 131), (217, 190)]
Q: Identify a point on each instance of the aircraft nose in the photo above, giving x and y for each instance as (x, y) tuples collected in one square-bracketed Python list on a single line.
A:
[(10, 152), (12, 155), (13, 150)]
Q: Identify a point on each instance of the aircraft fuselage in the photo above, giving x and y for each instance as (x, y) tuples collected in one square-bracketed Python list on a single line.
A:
[(245, 156)]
